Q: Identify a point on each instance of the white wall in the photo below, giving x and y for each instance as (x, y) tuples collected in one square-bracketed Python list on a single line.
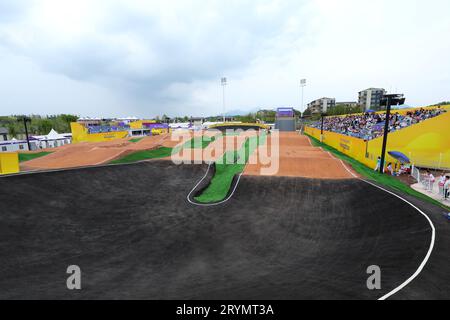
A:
[(14, 147)]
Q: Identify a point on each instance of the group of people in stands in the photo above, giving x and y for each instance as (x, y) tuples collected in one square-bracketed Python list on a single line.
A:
[(105, 129), (370, 125)]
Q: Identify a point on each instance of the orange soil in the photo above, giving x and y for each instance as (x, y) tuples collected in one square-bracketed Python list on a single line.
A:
[(97, 153), (298, 158), (89, 154)]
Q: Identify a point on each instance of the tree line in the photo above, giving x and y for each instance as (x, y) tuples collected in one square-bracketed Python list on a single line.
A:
[(38, 125)]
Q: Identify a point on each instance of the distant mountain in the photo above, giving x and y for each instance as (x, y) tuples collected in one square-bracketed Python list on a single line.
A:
[(240, 112)]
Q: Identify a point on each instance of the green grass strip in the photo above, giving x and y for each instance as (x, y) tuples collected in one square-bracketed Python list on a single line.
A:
[(30, 156), (370, 174), (159, 153), (227, 168), (162, 152), (135, 140), (199, 142)]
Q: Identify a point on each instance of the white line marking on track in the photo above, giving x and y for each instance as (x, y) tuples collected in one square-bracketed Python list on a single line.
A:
[(430, 250), (223, 201), (212, 204), (343, 164), (433, 234)]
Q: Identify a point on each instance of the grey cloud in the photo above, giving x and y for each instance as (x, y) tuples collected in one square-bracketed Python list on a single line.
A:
[(201, 48)]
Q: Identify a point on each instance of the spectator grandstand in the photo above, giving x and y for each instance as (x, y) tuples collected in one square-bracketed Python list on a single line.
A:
[(370, 125), (105, 129)]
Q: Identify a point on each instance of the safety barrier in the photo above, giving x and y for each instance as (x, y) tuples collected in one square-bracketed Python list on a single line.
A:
[(426, 144), (9, 162), (81, 134), (353, 147), (415, 173)]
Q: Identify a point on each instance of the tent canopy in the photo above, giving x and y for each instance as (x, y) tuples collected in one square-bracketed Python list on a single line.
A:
[(52, 135), (399, 156)]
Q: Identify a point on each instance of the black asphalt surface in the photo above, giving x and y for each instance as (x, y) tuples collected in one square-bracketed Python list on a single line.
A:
[(135, 236)]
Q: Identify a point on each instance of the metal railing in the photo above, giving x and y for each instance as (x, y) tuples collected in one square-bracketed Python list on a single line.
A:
[(415, 173)]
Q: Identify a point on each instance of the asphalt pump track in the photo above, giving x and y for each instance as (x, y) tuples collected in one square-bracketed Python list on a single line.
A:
[(134, 234)]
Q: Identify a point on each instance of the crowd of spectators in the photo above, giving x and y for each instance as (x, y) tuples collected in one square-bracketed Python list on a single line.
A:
[(370, 125), (105, 129)]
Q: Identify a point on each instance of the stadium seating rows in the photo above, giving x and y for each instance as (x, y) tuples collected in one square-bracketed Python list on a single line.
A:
[(103, 129), (369, 126)]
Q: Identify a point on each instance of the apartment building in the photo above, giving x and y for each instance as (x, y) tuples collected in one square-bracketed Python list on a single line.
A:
[(321, 105), (370, 99)]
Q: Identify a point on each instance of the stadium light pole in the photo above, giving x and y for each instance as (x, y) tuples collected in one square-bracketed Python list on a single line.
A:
[(323, 115), (302, 85), (388, 100), (25, 119), (224, 83)]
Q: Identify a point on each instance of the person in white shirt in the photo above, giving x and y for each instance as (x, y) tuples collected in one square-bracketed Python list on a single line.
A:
[(442, 180), (378, 164), (431, 180), (390, 169)]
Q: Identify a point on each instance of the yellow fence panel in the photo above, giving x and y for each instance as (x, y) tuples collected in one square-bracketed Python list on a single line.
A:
[(427, 144), (80, 134), (9, 162)]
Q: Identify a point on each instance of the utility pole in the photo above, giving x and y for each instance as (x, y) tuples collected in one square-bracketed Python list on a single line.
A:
[(388, 100), (385, 136), (224, 83), (25, 119), (323, 115)]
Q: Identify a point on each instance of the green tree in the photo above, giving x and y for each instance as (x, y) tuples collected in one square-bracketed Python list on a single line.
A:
[(44, 126), (67, 119), (12, 129)]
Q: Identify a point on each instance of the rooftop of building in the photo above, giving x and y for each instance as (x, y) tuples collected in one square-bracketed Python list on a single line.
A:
[(373, 89)]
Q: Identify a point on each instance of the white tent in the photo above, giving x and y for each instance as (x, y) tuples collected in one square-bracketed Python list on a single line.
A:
[(53, 135), (53, 139)]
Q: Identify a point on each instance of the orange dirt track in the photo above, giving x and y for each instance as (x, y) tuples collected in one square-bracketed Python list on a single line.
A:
[(98, 153), (298, 158), (93, 153)]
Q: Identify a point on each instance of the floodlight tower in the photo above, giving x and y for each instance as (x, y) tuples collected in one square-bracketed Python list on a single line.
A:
[(302, 85), (388, 100), (26, 119), (224, 83)]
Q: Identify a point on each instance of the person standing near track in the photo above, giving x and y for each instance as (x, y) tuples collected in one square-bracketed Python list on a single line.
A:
[(377, 168), (390, 169), (447, 188), (442, 180), (431, 180)]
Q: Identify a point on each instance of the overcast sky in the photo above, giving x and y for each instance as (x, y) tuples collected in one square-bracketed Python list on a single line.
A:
[(147, 58)]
